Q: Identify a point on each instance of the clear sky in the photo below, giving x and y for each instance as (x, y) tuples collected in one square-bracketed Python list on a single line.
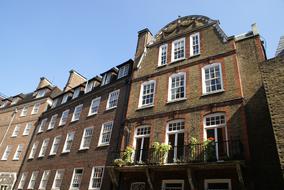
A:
[(50, 37)]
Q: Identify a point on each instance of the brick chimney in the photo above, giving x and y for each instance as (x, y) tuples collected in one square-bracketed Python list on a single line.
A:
[(74, 80), (144, 37)]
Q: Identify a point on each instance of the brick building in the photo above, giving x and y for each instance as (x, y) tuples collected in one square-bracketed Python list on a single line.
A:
[(18, 117), (72, 142), (200, 91)]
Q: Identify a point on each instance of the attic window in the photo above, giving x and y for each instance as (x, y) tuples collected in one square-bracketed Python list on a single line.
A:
[(123, 71), (76, 93), (15, 100), (4, 104), (106, 78), (89, 86), (40, 93), (65, 98)]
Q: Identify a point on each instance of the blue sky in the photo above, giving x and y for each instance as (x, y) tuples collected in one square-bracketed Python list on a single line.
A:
[(48, 38)]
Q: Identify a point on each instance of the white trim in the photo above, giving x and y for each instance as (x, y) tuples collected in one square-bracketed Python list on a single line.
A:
[(172, 53), (191, 44), (94, 101), (23, 179), (16, 131), (83, 138), (52, 119), (90, 183), (47, 172), (73, 188), (54, 152), (24, 111), (35, 109), (170, 88), (142, 141), (34, 147), (54, 179), (42, 152), (7, 149), (18, 152), (207, 181), (64, 146), (27, 129), (141, 93), (164, 182), (160, 54), (101, 133), (203, 78), (108, 100), (64, 98), (75, 112), (35, 175), (76, 92), (61, 118)]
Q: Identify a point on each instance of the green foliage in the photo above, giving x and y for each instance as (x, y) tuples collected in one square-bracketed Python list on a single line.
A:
[(160, 151), (126, 157)]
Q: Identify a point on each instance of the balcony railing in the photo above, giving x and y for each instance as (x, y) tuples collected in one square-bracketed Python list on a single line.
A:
[(201, 152)]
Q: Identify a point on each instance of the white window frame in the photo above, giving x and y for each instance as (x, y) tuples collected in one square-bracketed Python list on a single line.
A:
[(192, 45), (16, 130), (23, 178), (95, 102), (173, 52), (89, 86), (92, 177), (53, 151), (109, 99), (73, 188), (207, 181), (18, 152), (35, 109), (140, 136), (66, 139), (161, 48), (170, 86), (56, 178), (7, 152), (33, 150), (84, 138), (76, 92), (77, 112), (64, 98), (52, 122), (102, 133), (123, 71), (164, 182), (61, 122), (33, 178), (24, 111), (204, 91), (54, 103), (106, 78), (45, 174), (43, 148), (140, 104), (27, 129), (42, 125), (40, 93)]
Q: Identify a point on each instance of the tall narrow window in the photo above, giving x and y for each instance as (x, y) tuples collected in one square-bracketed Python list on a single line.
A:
[(44, 179), (106, 78), (96, 178), (77, 112), (7, 152), (89, 86), (16, 131), (76, 179), (212, 78), (194, 44), (58, 179), (43, 148), (68, 142), (215, 130), (76, 93), (142, 142), (33, 180), (36, 108), (178, 51), (55, 145), (147, 93), (64, 118), (27, 129), (163, 54), (18, 152), (105, 134), (22, 180), (42, 125), (177, 87), (112, 99), (123, 71), (94, 108), (52, 122), (175, 137), (87, 137), (65, 98), (33, 150), (24, 111)]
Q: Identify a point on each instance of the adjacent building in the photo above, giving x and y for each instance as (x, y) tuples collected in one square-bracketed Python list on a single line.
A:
[(18, 118), (193, 88), (75, 137)]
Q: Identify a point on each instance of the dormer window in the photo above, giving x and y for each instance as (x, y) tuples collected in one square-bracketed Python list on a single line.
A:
[(54, 103), (89, 86), (106, 78), (76, 93), (163, 55), (4, 104), (14, 101), (40, 93), (123, 71), (194, 44), (65, 98), (178, 49)]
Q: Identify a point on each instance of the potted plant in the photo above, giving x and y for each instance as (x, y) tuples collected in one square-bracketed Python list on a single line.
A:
[(126, 157), (193, 149), (210, 150), (160, 151)]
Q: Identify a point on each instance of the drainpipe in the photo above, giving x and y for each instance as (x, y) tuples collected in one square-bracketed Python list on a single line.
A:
[(10, 123)]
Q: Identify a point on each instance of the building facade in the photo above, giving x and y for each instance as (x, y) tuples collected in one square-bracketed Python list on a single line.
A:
[(74, 138), (191, 88), (18, 118)]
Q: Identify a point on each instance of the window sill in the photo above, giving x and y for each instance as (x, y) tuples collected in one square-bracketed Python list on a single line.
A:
[(15, 160), (92, 114), (103, 145), (61, 125), (144, 107), (178, 60), (53, 154), (108, 109), (13, 136), (65, 152), (83, 149), (49, 129), (73, 121), (194, 56), (39, 132), (213, 93), (161, 66), (178, 100)]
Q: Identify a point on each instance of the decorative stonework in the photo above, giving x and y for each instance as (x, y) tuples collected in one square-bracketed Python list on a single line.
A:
[(7, 179)]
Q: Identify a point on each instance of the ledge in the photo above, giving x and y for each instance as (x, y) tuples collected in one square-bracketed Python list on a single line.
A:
[(213, 93), (144, 107), (176, 61), (176, 101)]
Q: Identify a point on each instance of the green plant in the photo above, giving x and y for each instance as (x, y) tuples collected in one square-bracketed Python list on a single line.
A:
[(160, 151), (210, 149), (119, 162), (126, 158), (193, 149)]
